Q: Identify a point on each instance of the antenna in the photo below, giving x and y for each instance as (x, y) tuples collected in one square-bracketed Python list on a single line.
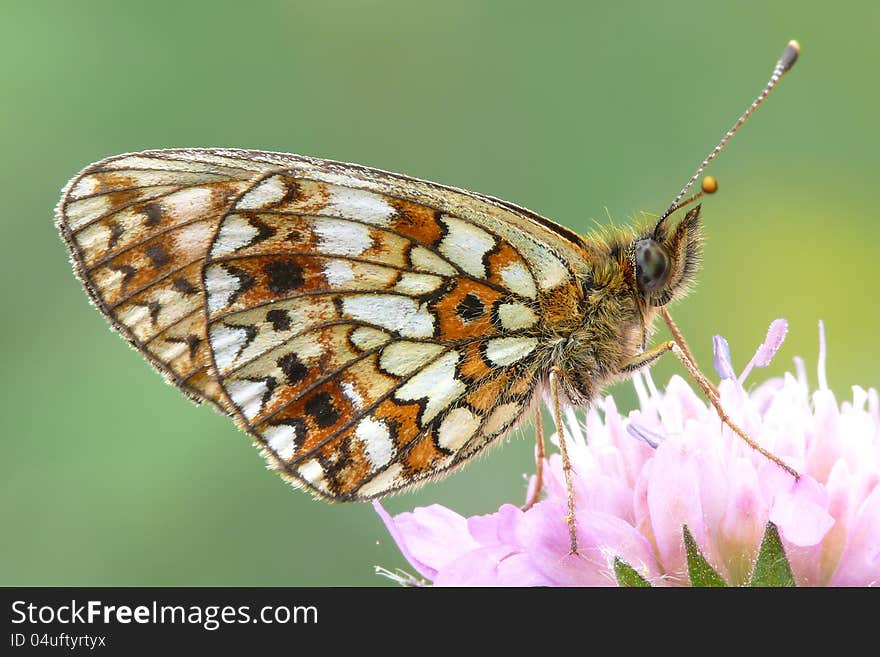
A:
[(786, 61)]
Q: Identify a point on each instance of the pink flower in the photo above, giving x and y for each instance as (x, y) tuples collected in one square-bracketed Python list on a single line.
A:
[(671, 463)]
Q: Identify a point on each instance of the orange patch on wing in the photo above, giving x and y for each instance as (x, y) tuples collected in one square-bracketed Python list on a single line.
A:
[(523, 383), (154, 258), (465, 311), (404, 417), (346, 467), (416, 221), (110, 181), (560, 308), (486, 394), (422, 456), (148, 312), (205, 383), (119, 189), (503, 256), (473, 365), (323, 411)]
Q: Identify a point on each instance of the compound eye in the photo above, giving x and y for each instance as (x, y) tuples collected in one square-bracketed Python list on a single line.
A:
[(653, 265)]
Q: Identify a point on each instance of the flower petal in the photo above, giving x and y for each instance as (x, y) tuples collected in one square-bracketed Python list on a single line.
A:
[(601, 537), (674, 501), (860, 561), (801, 512), (496, 528), (480, 567), (742, 527), (429, 537)]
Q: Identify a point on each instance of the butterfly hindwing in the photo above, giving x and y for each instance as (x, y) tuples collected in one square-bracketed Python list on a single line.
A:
[(368, 340)]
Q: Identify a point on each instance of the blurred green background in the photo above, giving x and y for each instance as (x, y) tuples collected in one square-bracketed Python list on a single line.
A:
[(110, 477)]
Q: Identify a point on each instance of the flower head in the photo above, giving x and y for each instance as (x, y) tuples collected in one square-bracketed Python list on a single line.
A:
[(639, 480)]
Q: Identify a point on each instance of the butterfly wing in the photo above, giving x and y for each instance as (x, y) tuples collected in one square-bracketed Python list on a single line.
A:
[(138, 227), (368, 329)]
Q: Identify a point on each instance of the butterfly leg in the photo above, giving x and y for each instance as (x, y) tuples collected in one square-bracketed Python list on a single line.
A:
[(708, 389), (680, 341), (555, 374), (539, 456)]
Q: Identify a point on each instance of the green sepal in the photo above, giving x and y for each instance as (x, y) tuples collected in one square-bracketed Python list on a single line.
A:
[(627, 575), (772, 567), (699, 570)]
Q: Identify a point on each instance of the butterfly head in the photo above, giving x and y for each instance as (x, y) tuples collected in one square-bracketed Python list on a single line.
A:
[(664, 262)]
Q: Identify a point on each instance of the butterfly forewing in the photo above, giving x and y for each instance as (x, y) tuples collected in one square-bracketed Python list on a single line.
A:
[(368, 329), (138, 228)]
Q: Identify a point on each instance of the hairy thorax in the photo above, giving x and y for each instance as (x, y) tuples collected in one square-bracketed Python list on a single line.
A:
[(592, 348)]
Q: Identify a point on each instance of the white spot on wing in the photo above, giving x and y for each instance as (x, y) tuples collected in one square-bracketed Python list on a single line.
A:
[(136, 318), (457, 427), (519, 280), (172, 304), (505, 351), (549, 269), (84, 186), (336, 237), (94, 240), (89, 209), (193, 239), (227, 342), (187, 204), (400, 314), (313, 473), (347, 203), (376, 439), (425, 260), (280, 438), (400, 358), (465, 245), (247, 395), (366, 338), (235, 232), (417, 284), (220, 286), (355, 397), (515, 316), (338, 273), (437, 384), (170, 351), (385, 480), (502, 417), (268, 192)]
